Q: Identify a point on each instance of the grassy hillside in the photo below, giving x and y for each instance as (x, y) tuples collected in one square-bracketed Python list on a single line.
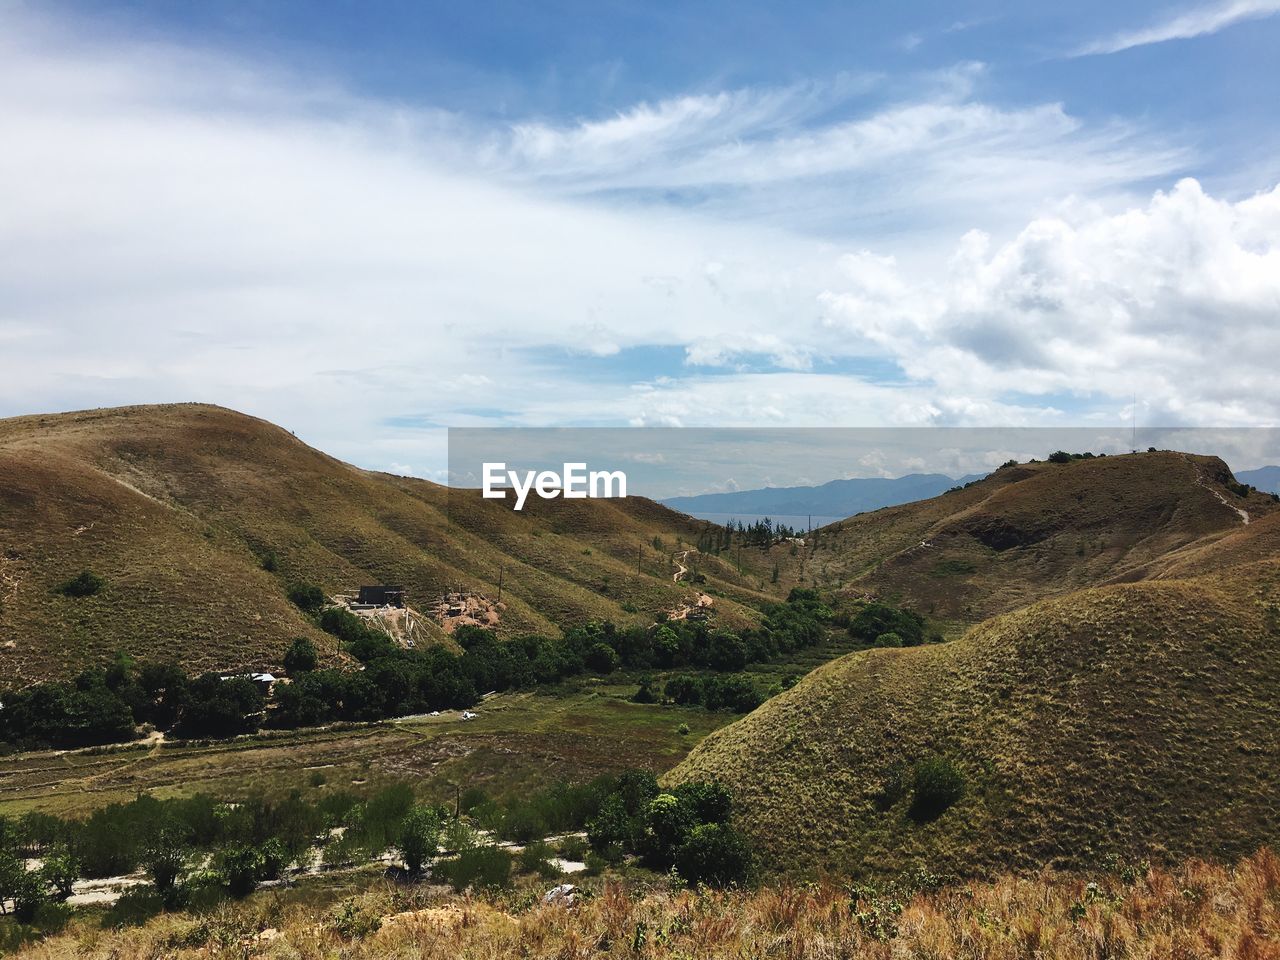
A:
[(178, 507), (1135, 719), (1037, 530)]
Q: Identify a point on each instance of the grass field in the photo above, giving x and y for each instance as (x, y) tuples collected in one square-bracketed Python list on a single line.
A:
[(518, 742)]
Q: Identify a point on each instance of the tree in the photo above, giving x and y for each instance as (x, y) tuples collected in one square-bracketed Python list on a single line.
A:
[(165, 860), (307, 597), (419, 838), (610, 831), (602, 658), (61, 870), (714, 854), (11, 871), (727, 652), (242, 867), (28, 894), (1060, 456), (300, 657), (667, 823)]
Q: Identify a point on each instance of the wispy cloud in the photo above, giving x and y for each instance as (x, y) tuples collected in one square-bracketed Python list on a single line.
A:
[(1198, 22)]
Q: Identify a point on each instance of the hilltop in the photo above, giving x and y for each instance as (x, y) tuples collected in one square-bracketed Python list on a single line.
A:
[(199, 519), (1128, 712), (1036, 530)]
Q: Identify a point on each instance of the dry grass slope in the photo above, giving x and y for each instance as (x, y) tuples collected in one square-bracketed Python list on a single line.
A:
[(1039, 530), (176, 505), (1133, 720)]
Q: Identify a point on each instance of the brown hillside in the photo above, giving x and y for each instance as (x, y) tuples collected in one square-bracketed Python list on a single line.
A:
[(1039, 530), (176, 505), (1133, 720)]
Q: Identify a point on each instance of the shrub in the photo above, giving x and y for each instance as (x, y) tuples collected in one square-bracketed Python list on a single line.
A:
[(536, 858), (889, 639), (419, 838), (936, 784), (714, 854), (876, 619), (354, 921), (84, 584), (485, 868), (307, 597), (573, 848), (602, 658), (300, 657), (667, 823), (1059, 456), (708, 801), (242, 866)]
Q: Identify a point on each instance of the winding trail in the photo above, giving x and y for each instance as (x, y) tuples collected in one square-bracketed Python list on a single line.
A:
[(678, 559)]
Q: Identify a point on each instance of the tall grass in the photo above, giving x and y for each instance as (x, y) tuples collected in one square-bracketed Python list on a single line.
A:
[(1198, 910)]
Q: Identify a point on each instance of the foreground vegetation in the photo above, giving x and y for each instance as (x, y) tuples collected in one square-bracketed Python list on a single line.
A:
[(1197, 911)]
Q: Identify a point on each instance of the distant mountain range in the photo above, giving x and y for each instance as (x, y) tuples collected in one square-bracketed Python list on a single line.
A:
[(1266, 479), (836, 499)]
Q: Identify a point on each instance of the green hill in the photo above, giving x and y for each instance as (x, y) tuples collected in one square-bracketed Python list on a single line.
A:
[(199, 519), (1133, 718)]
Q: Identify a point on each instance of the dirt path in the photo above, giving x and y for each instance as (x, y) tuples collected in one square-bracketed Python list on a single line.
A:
[(1239, 511), (681, 570)]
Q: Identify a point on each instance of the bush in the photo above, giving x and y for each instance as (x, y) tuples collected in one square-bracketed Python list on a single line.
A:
[(714, 854), (419, 838), (876, 619), (602, 658), (300, 657), (354, 921), (936, 784), (307, 597), (242, 867), (1059, 456), (84, 584), (889, 639), (573, 848), (536, 858), (487, 868), (667, 822)]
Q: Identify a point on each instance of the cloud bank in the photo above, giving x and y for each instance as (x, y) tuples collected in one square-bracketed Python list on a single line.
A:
[(179, 224)]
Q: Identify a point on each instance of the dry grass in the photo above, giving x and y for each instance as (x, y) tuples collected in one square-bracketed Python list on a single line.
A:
[(176, 505), (1137, 720), (1197, 911), (1042, 530)]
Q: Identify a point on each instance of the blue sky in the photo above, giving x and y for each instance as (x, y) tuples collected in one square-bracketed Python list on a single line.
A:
[(368, 221)]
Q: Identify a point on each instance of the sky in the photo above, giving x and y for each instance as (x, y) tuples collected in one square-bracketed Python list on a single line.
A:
[(369, 222)]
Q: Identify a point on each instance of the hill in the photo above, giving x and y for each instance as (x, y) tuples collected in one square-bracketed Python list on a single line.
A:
[(1130, 718), (199, 518), (837, 498), (1266, 479), (1036, 530)]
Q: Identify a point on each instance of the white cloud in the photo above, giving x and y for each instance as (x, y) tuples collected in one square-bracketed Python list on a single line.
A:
[(1197, 22), (179, 225), (1176, 301)]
